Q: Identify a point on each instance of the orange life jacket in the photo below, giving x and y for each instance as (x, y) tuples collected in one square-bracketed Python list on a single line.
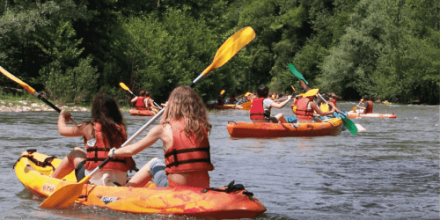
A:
[(188, 154), (99, 152), (370, 107), (140, 105), (257, 110), (301, 109)]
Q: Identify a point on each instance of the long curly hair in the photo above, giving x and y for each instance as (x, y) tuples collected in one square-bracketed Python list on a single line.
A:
[(106, 111), (185, 103)]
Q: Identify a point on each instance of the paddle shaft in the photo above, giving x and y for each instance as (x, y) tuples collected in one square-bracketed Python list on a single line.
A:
[(31, 90)]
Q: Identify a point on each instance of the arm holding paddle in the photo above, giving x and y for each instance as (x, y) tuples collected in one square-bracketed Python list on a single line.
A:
[(318, 110), (134, 99), (281, 104)]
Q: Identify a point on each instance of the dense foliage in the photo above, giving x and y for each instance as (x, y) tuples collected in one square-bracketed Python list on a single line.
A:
[(74, 49)]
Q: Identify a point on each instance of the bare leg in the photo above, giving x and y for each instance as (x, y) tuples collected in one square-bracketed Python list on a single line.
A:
[(142, 177), (69, 162), (280, 118)]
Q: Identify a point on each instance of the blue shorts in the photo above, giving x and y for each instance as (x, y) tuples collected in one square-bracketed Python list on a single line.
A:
[(157, 171)]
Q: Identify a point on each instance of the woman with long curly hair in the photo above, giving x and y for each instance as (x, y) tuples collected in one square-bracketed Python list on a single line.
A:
[(183, 130)]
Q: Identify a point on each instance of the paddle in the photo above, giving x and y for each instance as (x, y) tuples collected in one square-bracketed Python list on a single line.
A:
[(222, 92), (293, 88), (30, 90), (125, 87), (347, 122), (66, 195)]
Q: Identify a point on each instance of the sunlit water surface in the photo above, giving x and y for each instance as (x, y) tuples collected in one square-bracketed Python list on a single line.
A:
[(391, 171)]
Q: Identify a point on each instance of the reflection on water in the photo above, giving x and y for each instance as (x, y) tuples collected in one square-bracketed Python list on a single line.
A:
[(389, 171)]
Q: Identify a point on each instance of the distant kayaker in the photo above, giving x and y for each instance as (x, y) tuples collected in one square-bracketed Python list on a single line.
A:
[(183, 130), (105, 130), (140, 101), (220, 100), (366, 105), (232, 99), (306, 107), (144, 101), (333, 100), (261, 107)]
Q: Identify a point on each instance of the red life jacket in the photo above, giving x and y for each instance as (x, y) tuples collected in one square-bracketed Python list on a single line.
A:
[(98, 153), (257, 110), (301, 109), (140, 105), (187, 154), (334, 101), (370, 107)]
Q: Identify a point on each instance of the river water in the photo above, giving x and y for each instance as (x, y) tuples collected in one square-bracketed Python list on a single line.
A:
[(391, 171)]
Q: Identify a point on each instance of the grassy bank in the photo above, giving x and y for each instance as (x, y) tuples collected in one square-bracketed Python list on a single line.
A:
[(26, 102)]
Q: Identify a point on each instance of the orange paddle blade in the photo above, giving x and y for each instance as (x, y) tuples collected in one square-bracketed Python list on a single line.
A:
[(246, 105), (17, 80), (222, 92), (231, 47), (65, 196)]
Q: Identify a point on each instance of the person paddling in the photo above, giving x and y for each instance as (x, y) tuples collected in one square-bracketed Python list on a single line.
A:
[(140, 101), (260, 110), (306, 107), (144, 101), (183, 130), (105, 130), (367, 106)]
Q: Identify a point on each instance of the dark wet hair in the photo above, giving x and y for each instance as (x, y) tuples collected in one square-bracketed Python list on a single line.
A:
[(106, 111), (263, 91), (147, 93), (142, 93)]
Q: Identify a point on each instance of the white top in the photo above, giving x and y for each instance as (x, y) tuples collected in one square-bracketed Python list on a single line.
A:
[(266, 104)]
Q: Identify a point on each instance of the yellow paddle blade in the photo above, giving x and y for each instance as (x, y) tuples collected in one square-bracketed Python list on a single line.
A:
[(231, 47), (222, 92), (324, 107), (65, 196), (294, 109), (125, 87), (247, 94), (17, 80), (354, 109), (293, 88), (247, 105)]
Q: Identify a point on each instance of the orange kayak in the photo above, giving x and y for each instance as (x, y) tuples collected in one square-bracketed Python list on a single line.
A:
[(370, 115), (221, 203), (267, 130), (141, 112)]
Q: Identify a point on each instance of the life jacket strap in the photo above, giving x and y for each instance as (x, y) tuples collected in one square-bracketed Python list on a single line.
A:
[(176, 162)]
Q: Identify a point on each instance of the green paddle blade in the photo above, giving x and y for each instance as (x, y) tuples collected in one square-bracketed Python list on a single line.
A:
[(349, 124), (296, 73)]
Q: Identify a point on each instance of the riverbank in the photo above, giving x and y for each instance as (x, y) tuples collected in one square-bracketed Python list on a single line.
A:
[(27, 106), (20, 105)]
